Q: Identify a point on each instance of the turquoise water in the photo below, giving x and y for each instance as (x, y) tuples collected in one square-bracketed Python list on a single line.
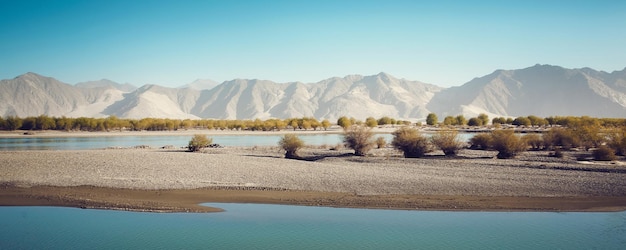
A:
[(253, 226), (76, 143)]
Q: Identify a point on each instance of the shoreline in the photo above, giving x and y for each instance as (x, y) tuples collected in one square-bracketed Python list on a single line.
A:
[(162, 180), (189, 200)]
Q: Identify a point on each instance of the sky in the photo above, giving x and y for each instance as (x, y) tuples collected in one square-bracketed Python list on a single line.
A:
[(172, 43)]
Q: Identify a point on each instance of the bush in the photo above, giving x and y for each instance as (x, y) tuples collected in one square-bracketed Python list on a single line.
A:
[(560, 137), (507, 143), (410, 142), (291, 143), (533, 140), (604, 153), (199, 142), (447, 141), (381, 142), (480, 141), (617, 140), (359, 138)]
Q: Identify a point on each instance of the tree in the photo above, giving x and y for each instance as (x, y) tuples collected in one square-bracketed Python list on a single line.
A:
[(432, 119), (410, 142), (359, 138), (484, 118), (385, 120), (498, 120), (371, 122), (291, 143), (13, 123), (449, 120), (344, 122), (325, 124), (474, 122), (460, 120), (199, 142), (294, 124), (448, 141), (522, 121)]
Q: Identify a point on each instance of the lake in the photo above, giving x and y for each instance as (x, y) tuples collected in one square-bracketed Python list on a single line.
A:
[(257, 226), (77, 143)]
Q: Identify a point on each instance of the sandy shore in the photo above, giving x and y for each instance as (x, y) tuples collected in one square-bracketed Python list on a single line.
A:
[(171, 180)]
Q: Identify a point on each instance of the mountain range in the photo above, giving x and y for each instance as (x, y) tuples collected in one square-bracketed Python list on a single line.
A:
[(542, 90)]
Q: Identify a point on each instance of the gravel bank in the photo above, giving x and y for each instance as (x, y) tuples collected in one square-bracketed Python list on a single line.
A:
[(473, 173)]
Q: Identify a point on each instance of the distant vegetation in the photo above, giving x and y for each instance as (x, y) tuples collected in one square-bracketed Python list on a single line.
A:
[(603, 138), (291, 144)]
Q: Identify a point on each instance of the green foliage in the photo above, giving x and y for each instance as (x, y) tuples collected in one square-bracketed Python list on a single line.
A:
[(460, 120), (474, 121), (381, 142), (481, 141), (603, 153), (13, 123), (198, 142), (448, 141), (522, 121), (410, 142), (371, 122), (507, 143), (537, 121), (325, 124), (291, 144), (498, 120), (385, 120), (432, 119), (359, 138), (344, 122), (449, 120), (484, 118)]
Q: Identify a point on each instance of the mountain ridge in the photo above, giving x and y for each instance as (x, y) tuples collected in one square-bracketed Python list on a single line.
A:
[(542, 90)]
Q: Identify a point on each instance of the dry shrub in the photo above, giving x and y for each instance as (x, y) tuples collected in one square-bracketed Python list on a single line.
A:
[(291, 143), (359, 138), (604, 153), (448, 141), (533, 140), (198, 142), (480, 141), (617, 140), (381, 142), (507, 143), (560, 137), (410, 142)]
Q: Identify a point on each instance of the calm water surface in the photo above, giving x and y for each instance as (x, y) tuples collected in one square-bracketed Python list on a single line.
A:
[(76, 143), (252, 226)]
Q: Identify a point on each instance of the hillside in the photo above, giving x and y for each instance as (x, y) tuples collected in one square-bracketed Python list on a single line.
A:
[(541, 90)]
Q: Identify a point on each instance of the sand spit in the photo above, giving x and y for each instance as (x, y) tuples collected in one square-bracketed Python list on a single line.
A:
[(333, 178)]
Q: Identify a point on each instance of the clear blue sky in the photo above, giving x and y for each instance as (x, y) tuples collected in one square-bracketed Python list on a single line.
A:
[(172, 43)]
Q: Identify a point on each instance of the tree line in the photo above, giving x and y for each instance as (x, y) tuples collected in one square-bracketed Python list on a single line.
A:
[(527, 121)]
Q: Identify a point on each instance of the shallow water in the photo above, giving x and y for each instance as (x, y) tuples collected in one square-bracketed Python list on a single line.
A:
[(77, 143), (294, 227)]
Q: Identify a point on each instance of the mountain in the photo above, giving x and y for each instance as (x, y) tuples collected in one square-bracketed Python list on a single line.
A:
[(32, 95), (200, 84), (542, 90), (106, 83)]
